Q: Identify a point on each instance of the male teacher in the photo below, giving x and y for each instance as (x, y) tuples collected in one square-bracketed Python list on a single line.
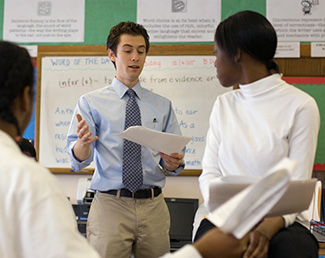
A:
[(128, 213)]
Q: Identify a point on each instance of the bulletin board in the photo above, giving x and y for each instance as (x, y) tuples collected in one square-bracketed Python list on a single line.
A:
[(101, 15)]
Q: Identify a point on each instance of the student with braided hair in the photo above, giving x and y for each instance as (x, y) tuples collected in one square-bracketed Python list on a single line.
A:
[(36, 218)]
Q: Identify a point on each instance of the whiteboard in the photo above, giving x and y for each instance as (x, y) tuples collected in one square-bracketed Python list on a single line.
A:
[(188, 81)]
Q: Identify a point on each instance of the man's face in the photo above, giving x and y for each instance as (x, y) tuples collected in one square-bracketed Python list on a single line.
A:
[(130, 58)]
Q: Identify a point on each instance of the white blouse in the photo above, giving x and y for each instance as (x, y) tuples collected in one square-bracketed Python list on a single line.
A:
[(256, 126)]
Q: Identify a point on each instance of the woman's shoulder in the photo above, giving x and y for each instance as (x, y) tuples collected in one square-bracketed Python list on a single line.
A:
[(296, 94)]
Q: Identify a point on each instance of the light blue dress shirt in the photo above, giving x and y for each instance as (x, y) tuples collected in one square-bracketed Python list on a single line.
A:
[(104, 112)]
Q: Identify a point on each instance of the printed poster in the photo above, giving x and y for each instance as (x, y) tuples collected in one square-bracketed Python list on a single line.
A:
[(179, 20), (44, 21), (297, 20)]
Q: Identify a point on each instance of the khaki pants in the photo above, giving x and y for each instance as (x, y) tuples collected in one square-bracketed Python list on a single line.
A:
[(119, 226)]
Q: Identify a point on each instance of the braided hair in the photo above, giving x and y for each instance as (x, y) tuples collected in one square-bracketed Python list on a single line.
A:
[(16, 73)]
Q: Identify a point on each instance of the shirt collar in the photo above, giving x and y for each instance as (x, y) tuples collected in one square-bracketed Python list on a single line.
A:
[(261, 86), (121, 89)]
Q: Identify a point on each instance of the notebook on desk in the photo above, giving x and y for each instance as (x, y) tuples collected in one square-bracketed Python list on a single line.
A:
[(182, 212)]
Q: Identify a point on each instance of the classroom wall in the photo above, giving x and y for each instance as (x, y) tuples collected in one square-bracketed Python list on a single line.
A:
[(103, 12)]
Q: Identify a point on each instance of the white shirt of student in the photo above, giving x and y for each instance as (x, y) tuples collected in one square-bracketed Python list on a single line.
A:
[(256, 126), (36, 218)]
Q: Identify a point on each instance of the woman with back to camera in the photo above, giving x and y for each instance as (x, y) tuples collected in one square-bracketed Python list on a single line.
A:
[(254, 127), (36, 218)]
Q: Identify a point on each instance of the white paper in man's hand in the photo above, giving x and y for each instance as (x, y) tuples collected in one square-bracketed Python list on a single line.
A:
[(159, 141)]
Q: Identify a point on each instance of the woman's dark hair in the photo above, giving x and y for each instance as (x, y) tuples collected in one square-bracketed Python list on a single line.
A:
[(16, 72), (250, 32), (27, 147), (129, 28)]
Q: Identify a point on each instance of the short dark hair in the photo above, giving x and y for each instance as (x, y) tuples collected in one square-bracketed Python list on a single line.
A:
[(129, 28), (16, 73), (250, 32)]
